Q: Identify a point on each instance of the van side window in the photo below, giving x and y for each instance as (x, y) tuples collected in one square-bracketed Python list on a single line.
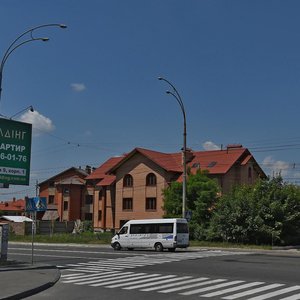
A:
[(151, 228)]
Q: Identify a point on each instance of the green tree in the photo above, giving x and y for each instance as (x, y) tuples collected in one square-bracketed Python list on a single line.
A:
[(268, 212), (201, 197)]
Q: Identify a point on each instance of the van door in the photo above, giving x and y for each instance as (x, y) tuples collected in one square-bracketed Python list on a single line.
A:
[(124, 237)]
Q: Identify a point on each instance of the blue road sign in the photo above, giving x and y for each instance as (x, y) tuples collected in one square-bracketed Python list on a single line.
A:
[(36, 204)]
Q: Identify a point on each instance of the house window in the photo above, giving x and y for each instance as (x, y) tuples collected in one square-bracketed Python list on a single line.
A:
[(127, 203), (101, 194), (128, 181), (88, 199), (151, 179), (66, 192), (88, 216), (66, 205), (51, 199), (99, 215), (150, 203), (249, 172)]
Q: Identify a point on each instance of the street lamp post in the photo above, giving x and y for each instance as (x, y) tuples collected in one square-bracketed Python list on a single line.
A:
[(177, 96), (18, 42)]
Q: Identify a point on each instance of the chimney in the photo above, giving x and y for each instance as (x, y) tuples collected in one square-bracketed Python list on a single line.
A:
[(88, 169), (189, 156)]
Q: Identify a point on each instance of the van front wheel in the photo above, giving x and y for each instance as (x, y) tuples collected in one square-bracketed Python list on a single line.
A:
[(158, 247), (117, 246)]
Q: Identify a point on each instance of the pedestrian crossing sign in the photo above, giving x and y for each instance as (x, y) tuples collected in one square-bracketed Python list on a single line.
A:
[(36, 204)]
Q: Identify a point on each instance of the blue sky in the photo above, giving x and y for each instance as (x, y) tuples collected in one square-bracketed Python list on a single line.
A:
[(94, 87)]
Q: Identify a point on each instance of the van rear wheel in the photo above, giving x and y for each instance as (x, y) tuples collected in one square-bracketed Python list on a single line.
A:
[(158, 247), (117, 246)]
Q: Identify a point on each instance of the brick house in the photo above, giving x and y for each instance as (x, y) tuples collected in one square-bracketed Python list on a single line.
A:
[(130, 186), (68, 198), (13, 208)]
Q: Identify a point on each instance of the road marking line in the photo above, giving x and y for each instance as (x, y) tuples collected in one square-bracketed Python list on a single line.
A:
[(174, 284), (192, 285), (155, 283), (143, 280), (214, 287), (125, 280), (103, 278), (96, 276), (82, 275), (254, 291), (233, 289), (276, 293), (293, 297)]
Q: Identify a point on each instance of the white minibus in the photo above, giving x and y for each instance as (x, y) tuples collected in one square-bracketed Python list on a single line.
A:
[(152, 233)]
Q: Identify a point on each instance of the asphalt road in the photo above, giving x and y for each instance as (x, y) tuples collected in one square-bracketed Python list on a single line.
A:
[(99, 272)]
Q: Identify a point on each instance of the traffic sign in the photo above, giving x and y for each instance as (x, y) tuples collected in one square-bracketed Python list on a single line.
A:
[(188, 215), (36, 204)]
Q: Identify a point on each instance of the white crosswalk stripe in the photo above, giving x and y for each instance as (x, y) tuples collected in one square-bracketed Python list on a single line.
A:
[(119, 273), (233, 289), (293, 297), (184, 285), (132, 262)]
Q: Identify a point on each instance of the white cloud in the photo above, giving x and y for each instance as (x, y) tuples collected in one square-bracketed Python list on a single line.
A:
[(209, 145), (276, 167), (78, 87), (40, 123)]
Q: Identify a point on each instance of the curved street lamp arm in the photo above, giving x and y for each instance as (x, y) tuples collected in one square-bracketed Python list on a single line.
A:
[(180, 104), (5, 57), (176, 95), (31, 31), (14, 45), (173, 87)]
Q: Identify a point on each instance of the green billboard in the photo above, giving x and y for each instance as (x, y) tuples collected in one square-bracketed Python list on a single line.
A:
[(15, 151)]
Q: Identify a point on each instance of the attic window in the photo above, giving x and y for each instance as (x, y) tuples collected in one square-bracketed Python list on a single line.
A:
[(212, 164), (196, 165)]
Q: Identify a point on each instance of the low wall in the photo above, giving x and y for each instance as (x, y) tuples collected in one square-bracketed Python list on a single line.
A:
[(42, 227)]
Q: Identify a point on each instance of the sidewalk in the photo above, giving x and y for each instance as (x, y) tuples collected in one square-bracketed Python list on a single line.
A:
[(19, 280)]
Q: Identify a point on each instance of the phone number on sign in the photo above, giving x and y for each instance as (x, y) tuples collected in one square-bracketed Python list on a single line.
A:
[(13, 157)]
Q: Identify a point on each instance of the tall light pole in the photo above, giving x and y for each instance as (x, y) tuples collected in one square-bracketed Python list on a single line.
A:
[(18, 42), (177, 96)]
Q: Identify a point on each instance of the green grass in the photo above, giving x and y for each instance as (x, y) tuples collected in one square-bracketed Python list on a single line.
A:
[(105, 238), (228, 245), (83, 238)]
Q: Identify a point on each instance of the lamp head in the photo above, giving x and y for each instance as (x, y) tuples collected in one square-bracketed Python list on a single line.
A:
[(31, 108), (62, 26), (45, 39)]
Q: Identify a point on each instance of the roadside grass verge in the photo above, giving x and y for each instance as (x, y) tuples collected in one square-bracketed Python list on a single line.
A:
[(61, 238), (105, 238)]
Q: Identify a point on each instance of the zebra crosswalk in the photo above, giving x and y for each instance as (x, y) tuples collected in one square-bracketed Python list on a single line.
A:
[(132, 262), (122, 273), (204, 287)]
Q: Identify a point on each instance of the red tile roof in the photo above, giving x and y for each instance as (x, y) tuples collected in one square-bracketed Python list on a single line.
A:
[(13, 205), (101, 171), (216, 162)]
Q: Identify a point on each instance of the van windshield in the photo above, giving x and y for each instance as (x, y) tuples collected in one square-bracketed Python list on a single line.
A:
[(123, 230)]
